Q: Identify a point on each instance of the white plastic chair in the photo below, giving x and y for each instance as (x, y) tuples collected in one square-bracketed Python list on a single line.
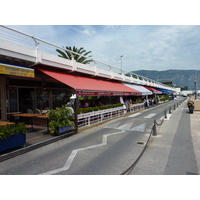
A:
[(38, 111), (29, 111)]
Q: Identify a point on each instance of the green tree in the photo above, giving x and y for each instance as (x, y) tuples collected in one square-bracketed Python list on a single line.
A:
[(184, 88), (66, 54)]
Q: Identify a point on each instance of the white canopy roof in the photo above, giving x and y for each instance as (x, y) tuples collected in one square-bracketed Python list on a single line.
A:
[(140, 88)]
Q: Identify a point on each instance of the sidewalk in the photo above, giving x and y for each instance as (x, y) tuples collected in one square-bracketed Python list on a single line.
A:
[(34, 140), (176, 148)]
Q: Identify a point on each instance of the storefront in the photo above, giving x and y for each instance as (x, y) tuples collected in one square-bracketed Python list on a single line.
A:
[(7, 70), (28, 90), (3, 104)]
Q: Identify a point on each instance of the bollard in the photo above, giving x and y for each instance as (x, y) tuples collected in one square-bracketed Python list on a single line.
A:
[(165, 114), (174, 107), (177, 105), (154, 129), (170, 110)]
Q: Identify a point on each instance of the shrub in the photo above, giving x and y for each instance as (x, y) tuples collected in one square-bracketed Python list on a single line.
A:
[(11, 129), (86, 110), (59, 117)]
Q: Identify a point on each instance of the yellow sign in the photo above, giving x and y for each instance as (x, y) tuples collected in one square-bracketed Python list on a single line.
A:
[(16, 70)]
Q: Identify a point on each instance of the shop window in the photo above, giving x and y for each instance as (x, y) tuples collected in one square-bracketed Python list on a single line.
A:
[(42, 99), (26, 99), (60, 97), (0, 102), (22, 82)]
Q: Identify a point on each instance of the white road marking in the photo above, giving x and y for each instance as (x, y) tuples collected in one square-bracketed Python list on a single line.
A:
[(134, 115), (74, 153), (168, 117), (113, 125), (140, 128), (150, 115), (125, 126)]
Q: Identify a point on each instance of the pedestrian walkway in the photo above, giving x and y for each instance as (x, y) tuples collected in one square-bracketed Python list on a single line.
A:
[(176, 148), (34, 140)]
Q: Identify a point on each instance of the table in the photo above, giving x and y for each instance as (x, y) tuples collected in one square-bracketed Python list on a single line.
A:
[(45, 117), (4, 123), (29, 115), (10, 114)]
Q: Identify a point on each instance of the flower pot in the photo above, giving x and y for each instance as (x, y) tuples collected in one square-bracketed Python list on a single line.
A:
[(61, 130), (13, 141)]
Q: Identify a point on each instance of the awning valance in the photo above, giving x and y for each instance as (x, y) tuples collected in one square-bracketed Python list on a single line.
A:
[(140, 88), (90, 86), (165, 91)]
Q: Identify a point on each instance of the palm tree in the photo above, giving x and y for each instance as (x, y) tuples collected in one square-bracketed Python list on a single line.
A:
[(66, 54)]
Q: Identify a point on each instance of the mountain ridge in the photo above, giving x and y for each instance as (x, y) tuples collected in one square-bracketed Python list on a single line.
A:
[(180, 78)]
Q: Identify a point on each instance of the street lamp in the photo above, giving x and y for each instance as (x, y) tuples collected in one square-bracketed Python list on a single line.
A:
[(121, 60), (195, 88)]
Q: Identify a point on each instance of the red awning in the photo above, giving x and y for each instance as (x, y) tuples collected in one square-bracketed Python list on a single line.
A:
[(153, 90), (91, 86)]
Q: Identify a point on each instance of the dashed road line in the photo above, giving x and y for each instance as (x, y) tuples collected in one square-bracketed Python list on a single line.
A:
[(150, 115), (134, 115)]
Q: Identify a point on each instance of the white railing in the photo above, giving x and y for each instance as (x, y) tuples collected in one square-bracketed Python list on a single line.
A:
[(136, 107), (87, 119)]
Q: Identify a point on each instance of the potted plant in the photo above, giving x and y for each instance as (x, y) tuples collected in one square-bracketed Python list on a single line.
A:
[(12, 135), (61, 120)]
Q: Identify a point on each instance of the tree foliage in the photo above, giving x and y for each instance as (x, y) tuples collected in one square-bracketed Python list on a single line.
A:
[(81, 59)]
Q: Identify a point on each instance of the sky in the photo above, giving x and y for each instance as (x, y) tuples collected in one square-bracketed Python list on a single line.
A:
[(133, 44)]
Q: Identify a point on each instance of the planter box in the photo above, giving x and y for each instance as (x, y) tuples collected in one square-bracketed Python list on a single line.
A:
[(64, 129), (13, 141)]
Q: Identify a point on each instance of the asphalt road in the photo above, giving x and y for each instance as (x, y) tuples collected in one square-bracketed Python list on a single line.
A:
[(107, 149)]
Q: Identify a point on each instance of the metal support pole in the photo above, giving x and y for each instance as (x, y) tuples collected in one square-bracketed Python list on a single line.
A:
[(121, 60), (195, 88), (165, 114), (154, 129), (76, 114)]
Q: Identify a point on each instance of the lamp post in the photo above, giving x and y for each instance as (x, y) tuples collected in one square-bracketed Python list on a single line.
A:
[(121, 60), (195, 88)]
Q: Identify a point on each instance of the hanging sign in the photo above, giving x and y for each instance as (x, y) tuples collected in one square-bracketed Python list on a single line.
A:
[(88, 93), (16, 70)]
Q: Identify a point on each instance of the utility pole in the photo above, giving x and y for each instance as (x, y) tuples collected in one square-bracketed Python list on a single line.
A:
[(121, 60)]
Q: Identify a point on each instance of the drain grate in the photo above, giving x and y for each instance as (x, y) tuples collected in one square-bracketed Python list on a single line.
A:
[(140, 143)]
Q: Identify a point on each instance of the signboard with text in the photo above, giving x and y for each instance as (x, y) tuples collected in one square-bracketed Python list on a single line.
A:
[(16, 70)]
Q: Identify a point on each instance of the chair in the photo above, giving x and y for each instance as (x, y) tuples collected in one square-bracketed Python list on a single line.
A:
[(29, 111), (38, 111)]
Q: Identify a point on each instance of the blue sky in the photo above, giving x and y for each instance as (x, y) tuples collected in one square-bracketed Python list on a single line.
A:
[(148, 47)]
